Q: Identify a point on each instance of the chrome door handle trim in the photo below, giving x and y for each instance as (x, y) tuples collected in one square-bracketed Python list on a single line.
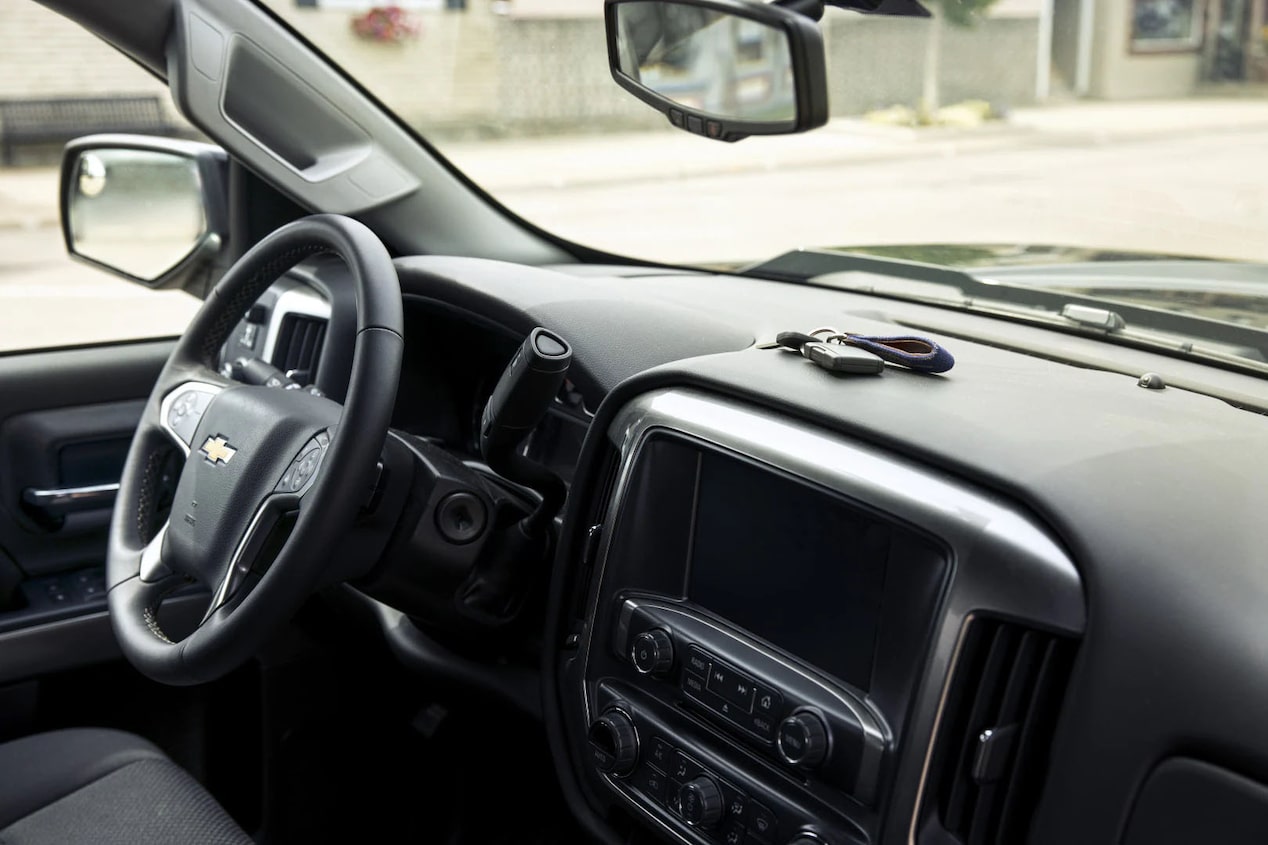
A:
[(63, 500)]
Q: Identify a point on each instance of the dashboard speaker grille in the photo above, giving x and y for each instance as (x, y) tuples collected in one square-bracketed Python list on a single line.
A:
[(997, 728), (299, 341)]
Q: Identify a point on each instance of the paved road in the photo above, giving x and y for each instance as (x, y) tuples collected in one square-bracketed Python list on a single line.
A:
[(1189, 193)]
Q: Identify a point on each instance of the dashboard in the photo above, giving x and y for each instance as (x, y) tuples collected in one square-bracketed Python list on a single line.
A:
[(793, 606)]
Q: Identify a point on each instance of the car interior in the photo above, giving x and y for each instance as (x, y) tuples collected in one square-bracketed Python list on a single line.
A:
[(435, 527)]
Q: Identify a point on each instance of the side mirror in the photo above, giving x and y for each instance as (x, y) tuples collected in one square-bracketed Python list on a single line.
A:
[(725, 69), (152, 210)]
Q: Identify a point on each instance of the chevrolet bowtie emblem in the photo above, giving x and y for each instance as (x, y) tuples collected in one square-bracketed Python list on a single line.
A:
[(217, 450)]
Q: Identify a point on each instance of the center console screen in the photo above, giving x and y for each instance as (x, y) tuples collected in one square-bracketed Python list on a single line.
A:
[(797, 566)]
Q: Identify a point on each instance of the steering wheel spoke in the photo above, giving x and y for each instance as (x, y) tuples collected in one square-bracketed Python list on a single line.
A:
[(274, 519), (152, 567), (267, 532)]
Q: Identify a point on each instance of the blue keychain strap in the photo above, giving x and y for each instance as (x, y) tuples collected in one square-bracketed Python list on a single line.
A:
[(910, 351)]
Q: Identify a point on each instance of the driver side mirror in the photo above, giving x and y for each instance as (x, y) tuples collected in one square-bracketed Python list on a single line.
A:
[(152, 210), (724, 69)]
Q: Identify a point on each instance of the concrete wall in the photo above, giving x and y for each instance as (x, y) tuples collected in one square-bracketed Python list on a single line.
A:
[(43, 54), (875, 62), (474, 72), (1119, 74), (554, 74)]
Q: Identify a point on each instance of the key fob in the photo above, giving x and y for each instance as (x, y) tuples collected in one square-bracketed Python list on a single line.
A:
[(842, 359)]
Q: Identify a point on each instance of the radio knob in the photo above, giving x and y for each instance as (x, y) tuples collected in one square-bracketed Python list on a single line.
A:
[(803, 739), (614, 743), (653, 652), (701, 802)]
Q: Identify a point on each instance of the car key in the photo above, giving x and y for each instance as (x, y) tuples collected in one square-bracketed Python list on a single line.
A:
[(837, 358)]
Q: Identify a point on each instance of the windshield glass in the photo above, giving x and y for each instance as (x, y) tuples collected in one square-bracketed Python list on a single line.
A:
[(1126, 125)]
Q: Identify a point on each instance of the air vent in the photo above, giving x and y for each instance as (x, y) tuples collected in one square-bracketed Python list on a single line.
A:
[(298, 346), (992, 746)]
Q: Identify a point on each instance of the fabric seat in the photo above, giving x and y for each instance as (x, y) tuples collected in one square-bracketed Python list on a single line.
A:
[(88, 785)]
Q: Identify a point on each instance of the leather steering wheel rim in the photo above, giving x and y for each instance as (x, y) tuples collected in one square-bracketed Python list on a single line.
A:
[(250, 432)]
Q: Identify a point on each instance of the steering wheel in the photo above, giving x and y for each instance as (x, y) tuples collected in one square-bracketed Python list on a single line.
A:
[(255, 458)]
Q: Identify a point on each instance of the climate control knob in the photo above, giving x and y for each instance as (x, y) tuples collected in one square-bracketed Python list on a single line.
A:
[(614, 743), (653, 652), (701, 802), (803, 739)]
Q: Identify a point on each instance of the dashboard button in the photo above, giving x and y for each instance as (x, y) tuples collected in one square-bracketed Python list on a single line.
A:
[(683, 768), (731, 685), (734, 805), (650, 782), (761, 823), (732, 834), (673, 797), (660, 753), (698, 662), (768, 702), (763, 726), (693, 684)]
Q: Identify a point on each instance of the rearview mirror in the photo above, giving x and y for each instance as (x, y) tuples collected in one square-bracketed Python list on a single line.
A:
[(725, 69), (151, 210)]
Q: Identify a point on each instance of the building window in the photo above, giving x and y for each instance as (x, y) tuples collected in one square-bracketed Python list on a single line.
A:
[(1166, 25)]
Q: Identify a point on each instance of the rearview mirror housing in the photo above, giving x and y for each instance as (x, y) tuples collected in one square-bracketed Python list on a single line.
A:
[(724, 69), (151, 210)]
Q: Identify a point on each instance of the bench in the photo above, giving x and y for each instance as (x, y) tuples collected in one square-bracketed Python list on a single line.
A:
[(61, 119)]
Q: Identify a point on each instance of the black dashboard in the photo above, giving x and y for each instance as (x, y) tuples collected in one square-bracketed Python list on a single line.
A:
[(1021, 601)]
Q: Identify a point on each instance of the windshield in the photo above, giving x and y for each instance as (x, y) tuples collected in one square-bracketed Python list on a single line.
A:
[(1120, 125)]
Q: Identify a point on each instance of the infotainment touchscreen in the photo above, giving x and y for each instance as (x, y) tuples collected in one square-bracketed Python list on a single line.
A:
[(797, 566)]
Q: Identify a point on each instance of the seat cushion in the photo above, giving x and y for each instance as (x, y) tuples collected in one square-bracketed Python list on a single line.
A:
[(98, 786)]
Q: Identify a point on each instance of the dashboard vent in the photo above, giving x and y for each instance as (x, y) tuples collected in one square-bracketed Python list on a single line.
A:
[(298, 347), (992, 747)]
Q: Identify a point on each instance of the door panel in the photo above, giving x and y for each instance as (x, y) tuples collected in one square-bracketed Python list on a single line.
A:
[(44, 456), (66, 420)]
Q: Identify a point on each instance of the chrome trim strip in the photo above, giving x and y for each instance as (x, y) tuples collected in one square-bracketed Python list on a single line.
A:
[(63, 500), (933, 732)]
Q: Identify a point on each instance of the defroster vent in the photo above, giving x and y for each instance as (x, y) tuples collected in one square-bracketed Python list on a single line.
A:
[(996, 731), (298, 348)]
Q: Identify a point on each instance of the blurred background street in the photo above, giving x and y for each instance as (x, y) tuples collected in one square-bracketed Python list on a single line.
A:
[(1078, 124)]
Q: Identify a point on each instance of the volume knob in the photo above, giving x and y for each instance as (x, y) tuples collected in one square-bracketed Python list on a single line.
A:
[(653, 652), (614, 743)]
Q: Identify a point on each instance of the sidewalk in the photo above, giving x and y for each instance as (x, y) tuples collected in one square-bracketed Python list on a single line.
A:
[(28, 196), (521, 164)]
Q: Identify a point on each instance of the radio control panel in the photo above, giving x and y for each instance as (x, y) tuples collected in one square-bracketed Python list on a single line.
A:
[(782, 710)]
